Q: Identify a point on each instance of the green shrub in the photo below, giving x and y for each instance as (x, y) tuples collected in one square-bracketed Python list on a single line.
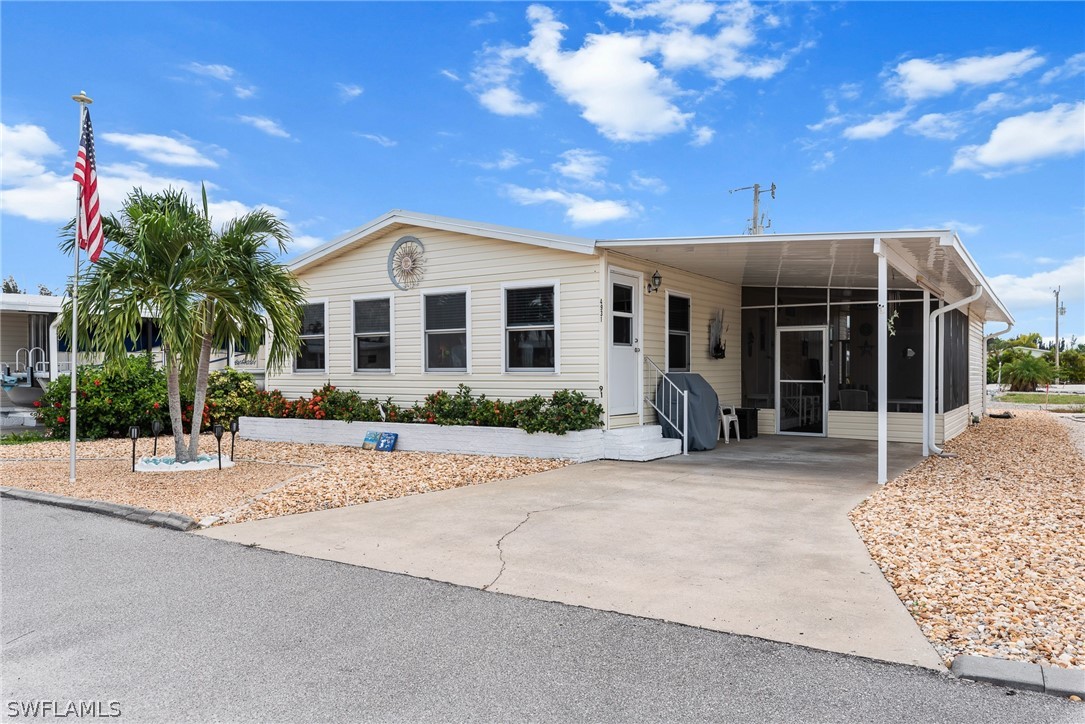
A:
[(110, 399), (230, 394)]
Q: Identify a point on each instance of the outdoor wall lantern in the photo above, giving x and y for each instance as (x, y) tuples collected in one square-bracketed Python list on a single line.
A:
[(133, 432), (654, 282), (156, 430), (217, 429), (234, 427)]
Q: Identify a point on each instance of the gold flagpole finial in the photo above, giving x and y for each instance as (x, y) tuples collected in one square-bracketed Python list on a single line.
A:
[(82, 98)]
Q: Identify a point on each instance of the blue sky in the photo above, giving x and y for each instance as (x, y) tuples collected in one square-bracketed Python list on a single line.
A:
[(601, 120)]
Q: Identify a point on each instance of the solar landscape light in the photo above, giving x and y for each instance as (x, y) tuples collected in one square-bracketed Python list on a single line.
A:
[(156, 429), (133, 432), (234, 427), (217, 429)]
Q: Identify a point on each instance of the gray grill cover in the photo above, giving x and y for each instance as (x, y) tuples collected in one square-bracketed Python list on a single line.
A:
[(704, 408)]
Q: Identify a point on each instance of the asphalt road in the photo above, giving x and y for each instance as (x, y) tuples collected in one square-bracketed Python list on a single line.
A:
[(177, 627)]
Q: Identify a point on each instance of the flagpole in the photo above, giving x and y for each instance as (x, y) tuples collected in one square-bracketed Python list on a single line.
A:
[(83, 102)]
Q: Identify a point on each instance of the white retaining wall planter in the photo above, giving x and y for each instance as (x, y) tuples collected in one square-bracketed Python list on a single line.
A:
[(579, 446)]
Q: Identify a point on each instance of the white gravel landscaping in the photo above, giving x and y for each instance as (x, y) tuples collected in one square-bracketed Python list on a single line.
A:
[(987, 549)]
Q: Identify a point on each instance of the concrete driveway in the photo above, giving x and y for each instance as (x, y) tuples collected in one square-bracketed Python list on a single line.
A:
[(751, 538)]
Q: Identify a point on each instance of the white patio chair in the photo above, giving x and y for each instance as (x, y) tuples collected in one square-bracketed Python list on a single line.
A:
[(728, 417)]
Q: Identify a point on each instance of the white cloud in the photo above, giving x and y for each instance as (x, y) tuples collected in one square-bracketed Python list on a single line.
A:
[(622, 95), (962, 226), (223, 211), (244, 92), (582, 165), (161, 149), (449, 74), (642, 182), (305, 242), (1073, 67), (921, 78), (702, 136), (213, 70), (684, 13), (877, 127), (349, 91), (1034, 290), (486, 19), (1019, 140), (495, 81), (508, 159), (621, 82), (268, 126), (378, 139), (827, 122), (850, 91), (580, 209), (939, 126), (22, 149), (827, 159)]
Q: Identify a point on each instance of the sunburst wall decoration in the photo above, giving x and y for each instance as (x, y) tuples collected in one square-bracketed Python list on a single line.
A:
[(407, 263)]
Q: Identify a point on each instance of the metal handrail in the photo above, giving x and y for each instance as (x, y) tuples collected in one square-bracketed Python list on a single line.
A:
[(674, 400)]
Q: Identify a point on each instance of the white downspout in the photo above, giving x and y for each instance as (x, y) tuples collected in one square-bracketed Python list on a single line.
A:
[(54, 347), (927, 402), (986, 339), (931, 359)]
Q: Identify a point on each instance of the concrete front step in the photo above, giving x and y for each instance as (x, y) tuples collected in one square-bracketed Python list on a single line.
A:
[(639, 444)]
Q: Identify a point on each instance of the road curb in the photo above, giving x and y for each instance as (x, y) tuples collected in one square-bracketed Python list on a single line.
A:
[(1021, 675), (145, 516)]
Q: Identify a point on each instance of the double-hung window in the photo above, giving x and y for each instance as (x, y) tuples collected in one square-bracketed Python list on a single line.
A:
[(530, 329), (678, 327), (446, 331), (311, 355), (373, 334)]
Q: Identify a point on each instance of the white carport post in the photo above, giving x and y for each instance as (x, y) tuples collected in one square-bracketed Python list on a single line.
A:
[(927, 357), (883, 359)]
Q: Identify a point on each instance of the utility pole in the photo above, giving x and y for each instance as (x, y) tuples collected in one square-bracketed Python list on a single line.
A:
[(1059, 311), (757, 222)]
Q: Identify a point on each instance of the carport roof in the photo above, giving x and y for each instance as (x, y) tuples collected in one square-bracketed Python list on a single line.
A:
[(931, 258)]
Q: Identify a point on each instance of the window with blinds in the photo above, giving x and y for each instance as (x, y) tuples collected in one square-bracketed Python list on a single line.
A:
[(446, 332), (311, 354), (530, 331), (678, 328), (373, 335)]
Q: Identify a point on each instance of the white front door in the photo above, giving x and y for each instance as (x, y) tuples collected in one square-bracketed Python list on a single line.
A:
[(801, 403), (624, 338)]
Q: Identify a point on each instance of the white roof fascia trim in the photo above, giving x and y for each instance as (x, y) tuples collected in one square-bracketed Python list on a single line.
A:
[(769, 238), (552, 241), (952, 240), (30, 303)]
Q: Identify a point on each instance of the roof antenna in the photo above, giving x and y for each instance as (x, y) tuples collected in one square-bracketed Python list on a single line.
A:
[(757, 221)]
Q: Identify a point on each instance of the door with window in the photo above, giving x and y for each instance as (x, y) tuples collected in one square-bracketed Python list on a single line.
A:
[(624, 339), (801, 357)]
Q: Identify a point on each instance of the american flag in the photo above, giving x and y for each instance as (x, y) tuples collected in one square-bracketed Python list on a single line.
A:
[(89, 228)]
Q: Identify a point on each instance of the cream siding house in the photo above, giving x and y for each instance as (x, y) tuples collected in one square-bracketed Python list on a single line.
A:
[(825, 334)]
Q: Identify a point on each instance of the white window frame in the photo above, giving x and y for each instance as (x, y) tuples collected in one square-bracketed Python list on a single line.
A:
[(327, 345), (466, 291), (391, 333), (667, 330), (556, 285)]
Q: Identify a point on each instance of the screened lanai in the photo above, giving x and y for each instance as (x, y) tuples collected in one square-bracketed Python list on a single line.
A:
[(873, 335)]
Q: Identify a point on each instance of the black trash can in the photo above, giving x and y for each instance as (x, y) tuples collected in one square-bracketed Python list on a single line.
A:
[(747, 421)]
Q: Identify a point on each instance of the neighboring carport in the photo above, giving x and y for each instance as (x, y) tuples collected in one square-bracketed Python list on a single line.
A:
[(751, 538)]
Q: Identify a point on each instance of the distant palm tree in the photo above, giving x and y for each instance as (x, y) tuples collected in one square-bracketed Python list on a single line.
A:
[(1026, 372), (204, 288)]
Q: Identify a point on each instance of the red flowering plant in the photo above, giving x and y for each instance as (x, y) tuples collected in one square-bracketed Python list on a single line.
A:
[(110, 399)]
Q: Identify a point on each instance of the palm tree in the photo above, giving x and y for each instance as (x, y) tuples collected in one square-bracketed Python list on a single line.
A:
[(248, 294), (203, 288), (1026, 372)]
